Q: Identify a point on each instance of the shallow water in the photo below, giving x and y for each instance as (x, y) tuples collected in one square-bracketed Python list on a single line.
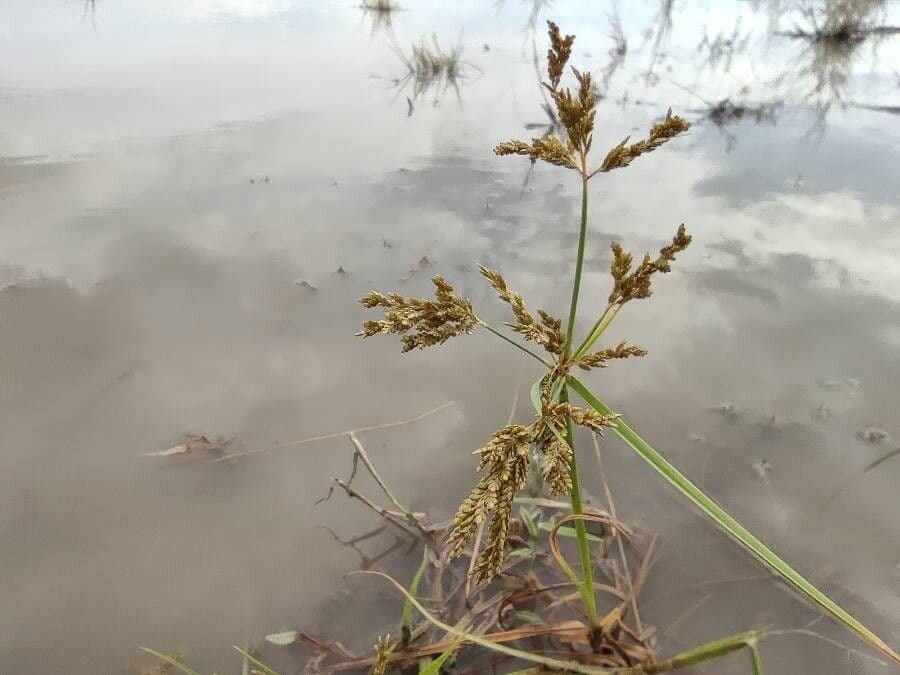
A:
[(169, 176)]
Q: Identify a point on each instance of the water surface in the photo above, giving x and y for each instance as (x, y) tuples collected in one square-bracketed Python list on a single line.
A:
[(170, 176)]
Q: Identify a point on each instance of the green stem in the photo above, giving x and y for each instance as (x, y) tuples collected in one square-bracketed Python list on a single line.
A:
[(605, 319), (727, 523), (579, 263), (406, 614), (514, 343), (710, 650), (584, 551)]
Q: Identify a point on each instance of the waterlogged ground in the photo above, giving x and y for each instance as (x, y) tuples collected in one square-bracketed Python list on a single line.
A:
[(180, 184)]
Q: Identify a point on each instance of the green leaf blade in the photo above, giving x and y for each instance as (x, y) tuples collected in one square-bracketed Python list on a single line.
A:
[(731, 526), (171, 661), (255, 661)]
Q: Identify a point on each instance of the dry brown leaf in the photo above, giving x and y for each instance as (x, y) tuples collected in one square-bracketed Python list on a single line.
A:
[(194, 445)]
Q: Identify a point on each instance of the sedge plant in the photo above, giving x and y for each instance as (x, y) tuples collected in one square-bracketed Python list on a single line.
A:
[(506, 459)]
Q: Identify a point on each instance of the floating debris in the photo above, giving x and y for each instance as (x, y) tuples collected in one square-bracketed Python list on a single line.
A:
[(195, 445), (425, 261), (283, 639), (387, 244), (726, 409), (341, 271), (726, 112), (762, 468), (874, 435), (771, 422), (822, 414), (303, 283), (698, 438)]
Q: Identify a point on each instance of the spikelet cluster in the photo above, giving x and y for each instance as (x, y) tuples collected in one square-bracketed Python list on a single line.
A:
[(383, 651), (662, 132), (505, 460), (598, 359), (548, 148), (421, 323), (633, 285), (574, 111), (547, 332), (558, 54), (554, 453), (508, 454)]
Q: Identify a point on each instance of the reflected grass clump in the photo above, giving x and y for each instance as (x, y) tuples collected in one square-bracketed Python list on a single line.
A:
[(432, 69), (381, 14), (379, 5), (834, 32)]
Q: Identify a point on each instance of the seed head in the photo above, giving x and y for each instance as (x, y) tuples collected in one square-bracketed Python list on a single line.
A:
[(623, 154), (576, 113), (382, 655), (504, 459), (555, 454), (421, 323), (548, 149), (636, 285), (598, 359), (558, 54), (547, 333)]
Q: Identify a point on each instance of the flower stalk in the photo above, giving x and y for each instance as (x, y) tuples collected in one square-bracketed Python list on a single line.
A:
[(584, 551), (507, 457)]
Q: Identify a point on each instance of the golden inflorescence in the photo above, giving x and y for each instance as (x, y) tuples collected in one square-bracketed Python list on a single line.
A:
[(628, 285), (576, 114), (421, 323), (505, 460), (548, 333), (510, 452)]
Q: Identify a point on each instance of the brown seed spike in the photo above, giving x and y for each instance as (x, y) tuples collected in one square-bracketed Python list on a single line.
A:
[(548, 333), (512, 147), (505, 460), (622, 155), (558, 54), (636, 285), (421, 323), (598, 359)]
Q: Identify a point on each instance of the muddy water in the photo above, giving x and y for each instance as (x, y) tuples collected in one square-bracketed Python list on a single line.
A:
[(170, 176)]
